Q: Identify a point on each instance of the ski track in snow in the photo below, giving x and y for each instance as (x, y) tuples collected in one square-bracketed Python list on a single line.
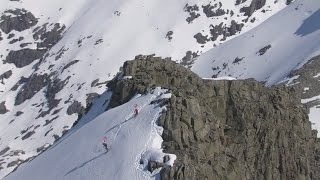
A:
[(138, 157), (128, 118)]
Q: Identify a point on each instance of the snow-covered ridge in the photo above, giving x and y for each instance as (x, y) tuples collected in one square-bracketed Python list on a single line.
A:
[(221, 78), (133, 141)]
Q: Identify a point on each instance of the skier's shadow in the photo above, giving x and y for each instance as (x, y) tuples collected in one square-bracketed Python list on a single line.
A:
[(112, 128), (83, 164), (119, 124)]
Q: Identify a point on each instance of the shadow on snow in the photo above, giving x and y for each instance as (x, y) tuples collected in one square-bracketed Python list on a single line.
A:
[(310, 25), (83, 164)]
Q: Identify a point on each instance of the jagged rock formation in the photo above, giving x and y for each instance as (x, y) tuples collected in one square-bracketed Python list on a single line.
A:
[(225, 129)]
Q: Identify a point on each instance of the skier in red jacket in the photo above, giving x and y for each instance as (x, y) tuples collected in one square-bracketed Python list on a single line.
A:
[(104, 143), (136, 110)]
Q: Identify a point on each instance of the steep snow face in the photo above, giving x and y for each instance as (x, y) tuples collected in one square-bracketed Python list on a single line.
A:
[(270, 51), (57, 55), (80, 154)]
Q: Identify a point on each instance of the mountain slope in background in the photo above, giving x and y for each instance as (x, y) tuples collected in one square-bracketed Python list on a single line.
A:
[(58, 55), (273, 52), (270, 51)]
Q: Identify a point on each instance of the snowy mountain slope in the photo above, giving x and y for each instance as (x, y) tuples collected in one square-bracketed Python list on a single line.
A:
[(82, 156), (57, 55), (272, 51)]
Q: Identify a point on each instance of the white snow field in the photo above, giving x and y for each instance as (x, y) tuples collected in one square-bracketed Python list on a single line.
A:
[(80, 154), (99, 36), (292, 35)]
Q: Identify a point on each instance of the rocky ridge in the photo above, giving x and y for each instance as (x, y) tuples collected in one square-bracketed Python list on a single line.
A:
[(225, 129)]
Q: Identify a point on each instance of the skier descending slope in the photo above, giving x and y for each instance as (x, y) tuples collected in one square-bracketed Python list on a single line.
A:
[(136, 110), (104, 143)]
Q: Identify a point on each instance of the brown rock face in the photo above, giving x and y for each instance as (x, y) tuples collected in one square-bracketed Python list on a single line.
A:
[(224, 129)]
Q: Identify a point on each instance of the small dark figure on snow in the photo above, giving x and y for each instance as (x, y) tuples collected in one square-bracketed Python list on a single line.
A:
[(136, 110), (104, 143)]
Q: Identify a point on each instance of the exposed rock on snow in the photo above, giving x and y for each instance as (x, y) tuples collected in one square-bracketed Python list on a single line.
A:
[(75, 108), (221, 29), (3, 108), (193, 12), (17, 19), (5, 75), (263, 50), (29, 89), (255, 5), (24, 57), (48, 37), (189, 59), (210, 12)]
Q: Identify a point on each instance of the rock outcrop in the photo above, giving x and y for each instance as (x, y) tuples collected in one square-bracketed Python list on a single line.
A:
[(255, 5), (17, 19), (3, 108), (24, 57), (48, 37), (224, 129), (31, 87), (6, 75)]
